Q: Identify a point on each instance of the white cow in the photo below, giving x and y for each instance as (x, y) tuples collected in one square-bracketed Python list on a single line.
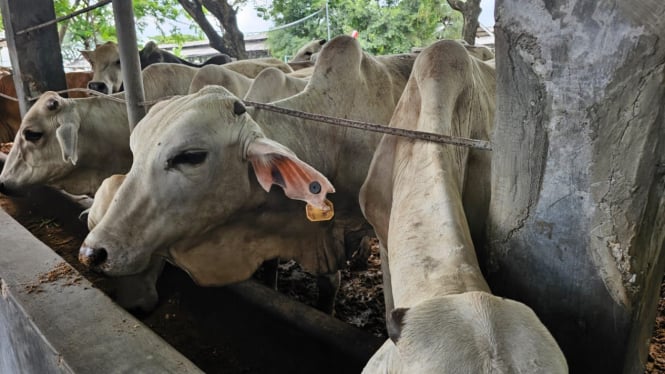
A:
[(235, 82), (445, 319), (107, 72), (253, 66), (74, 144), (192, 191), (273, 84), (70, 144)]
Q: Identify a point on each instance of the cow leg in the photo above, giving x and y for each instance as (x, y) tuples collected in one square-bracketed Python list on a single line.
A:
[(328, 285), (139, 291), (270, 270), (387, 286), (358, 260)]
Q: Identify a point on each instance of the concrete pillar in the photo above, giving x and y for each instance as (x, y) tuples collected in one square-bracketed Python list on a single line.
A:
[(577, 219)]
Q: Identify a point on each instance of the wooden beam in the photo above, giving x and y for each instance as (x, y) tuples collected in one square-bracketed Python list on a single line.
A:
[(35, 55)]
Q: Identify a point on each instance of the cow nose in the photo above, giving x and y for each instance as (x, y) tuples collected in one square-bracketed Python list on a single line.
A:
[(92, 257), (98, 86)]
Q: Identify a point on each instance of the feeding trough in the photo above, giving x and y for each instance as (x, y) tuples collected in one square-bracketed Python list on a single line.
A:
[(54, 319)]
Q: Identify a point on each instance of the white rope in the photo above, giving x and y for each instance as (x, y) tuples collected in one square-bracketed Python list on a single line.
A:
[(290, 24), (343, 122)]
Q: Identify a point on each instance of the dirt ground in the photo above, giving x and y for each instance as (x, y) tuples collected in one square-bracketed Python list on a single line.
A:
[(360, 301)]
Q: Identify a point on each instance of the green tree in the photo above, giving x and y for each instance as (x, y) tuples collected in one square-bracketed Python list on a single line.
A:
[(88, 29), (384, 26)]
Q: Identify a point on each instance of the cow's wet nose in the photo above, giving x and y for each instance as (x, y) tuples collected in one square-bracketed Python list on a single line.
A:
[(98, 86), (92, 257)]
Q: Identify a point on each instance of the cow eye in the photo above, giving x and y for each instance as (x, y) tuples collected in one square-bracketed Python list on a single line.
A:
[(32, 136), (118, 62), (308, 53), (187, 158)]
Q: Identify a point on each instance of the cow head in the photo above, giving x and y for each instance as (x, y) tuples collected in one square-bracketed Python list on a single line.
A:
[(191, 173), (105, 62), (72, 144), (45, 147), (471, 332), (308, 51)]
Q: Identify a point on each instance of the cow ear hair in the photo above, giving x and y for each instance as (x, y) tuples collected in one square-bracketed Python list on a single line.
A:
[(67, 135), (395, 322), (275, 164)]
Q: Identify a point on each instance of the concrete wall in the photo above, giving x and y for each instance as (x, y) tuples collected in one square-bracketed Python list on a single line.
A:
[(577, 216), (66, 325)]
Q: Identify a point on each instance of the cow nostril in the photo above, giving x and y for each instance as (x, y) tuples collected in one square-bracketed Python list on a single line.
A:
[(97, 86), (92, 257)]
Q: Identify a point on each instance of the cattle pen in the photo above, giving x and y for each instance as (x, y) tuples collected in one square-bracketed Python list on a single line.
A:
[(575, 226)]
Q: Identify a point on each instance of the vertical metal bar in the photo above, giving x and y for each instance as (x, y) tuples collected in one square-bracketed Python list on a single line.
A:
[(327, 20), (129, 60)]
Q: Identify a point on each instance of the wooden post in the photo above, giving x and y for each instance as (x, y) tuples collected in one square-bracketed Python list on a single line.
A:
[(35, 55), (129, 60)]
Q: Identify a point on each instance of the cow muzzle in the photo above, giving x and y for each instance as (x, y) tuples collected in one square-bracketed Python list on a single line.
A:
[(92, 258), (99, 87)]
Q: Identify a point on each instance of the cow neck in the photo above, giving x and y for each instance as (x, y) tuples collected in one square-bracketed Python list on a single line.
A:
[(431, 253)]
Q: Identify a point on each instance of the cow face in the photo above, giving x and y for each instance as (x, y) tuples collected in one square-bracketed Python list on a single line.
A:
[(190, 174), (105, 62), (45, 147)]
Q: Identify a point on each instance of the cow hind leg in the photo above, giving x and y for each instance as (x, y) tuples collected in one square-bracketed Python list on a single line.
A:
[(328, 285)]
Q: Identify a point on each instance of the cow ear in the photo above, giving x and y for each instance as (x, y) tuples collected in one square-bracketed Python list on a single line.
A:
[(395, 322), (67, 135), (275, 164)]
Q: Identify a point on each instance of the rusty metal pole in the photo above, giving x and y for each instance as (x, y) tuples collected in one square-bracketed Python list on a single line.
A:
[(129, 60)]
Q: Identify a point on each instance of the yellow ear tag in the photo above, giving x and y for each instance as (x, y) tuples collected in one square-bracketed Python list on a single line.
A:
[(315, 214)]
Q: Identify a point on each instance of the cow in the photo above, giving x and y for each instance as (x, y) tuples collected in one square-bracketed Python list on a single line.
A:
[(10, 115), (162, 80), (74, 144), (309, 52), (273, 84), (480, 52), (152, 54), (252, 67), (233, 81), (442, 316), (196, 186), (105, 62)]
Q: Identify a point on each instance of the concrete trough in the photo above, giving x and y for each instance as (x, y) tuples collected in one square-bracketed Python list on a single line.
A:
[(53, 320), (66, 325)]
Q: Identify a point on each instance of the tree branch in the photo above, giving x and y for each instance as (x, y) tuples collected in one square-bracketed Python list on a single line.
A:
[(195, 10)]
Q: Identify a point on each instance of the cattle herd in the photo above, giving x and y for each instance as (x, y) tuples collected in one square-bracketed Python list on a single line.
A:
[(191, 185)]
